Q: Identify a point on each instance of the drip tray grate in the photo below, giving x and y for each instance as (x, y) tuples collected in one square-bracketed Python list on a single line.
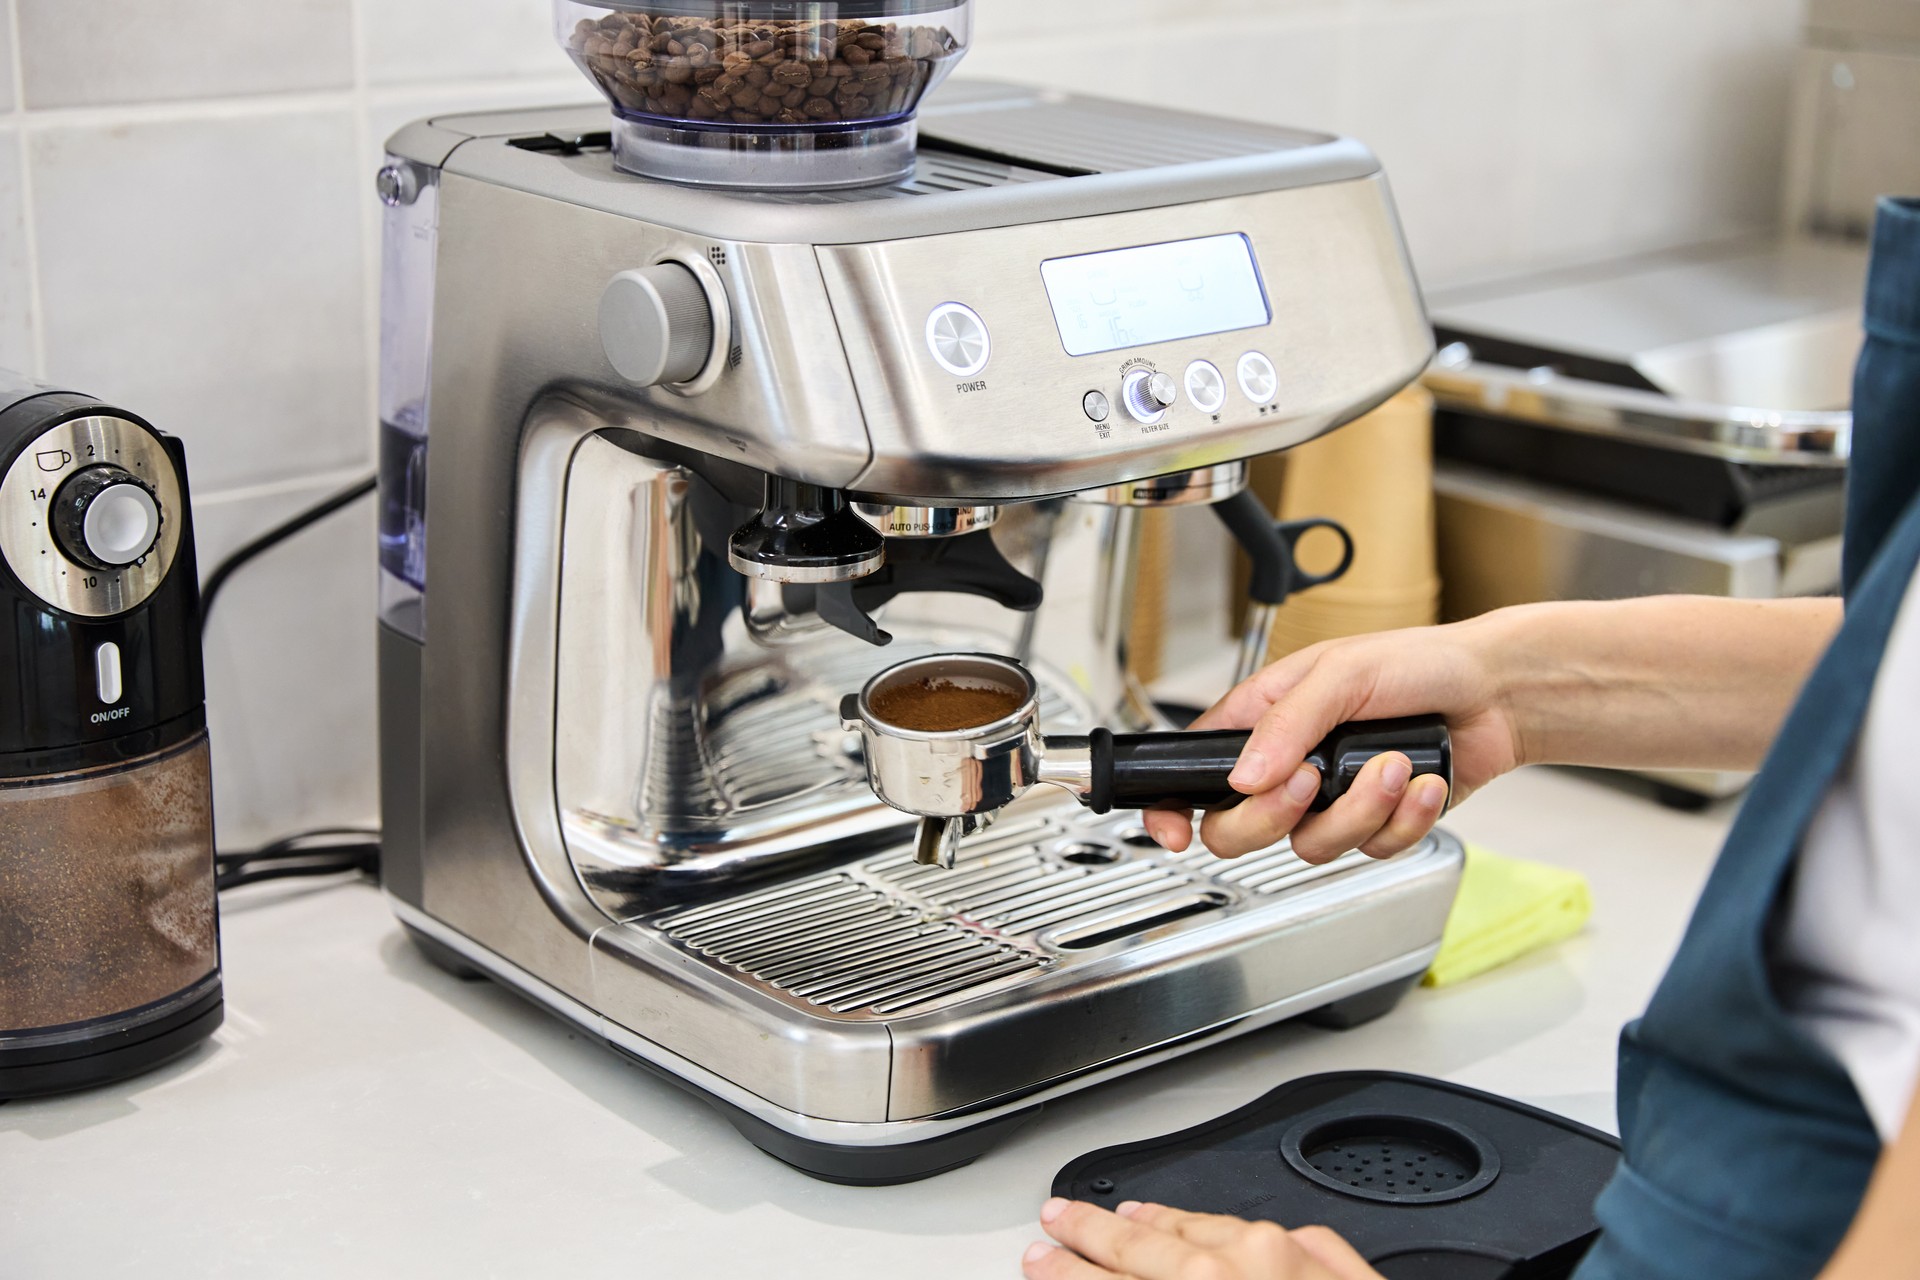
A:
[(888, 937)]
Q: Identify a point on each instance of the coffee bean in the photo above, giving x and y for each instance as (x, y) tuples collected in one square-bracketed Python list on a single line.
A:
[(789, 72)]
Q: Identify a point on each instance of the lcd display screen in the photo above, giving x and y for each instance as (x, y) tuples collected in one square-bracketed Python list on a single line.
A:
[(1155, 293)]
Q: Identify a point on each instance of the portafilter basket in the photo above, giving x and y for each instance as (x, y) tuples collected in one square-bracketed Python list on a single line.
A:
[(955, 738)]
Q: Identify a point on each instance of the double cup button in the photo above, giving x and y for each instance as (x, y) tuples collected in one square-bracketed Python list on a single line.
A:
[(1258, 378)]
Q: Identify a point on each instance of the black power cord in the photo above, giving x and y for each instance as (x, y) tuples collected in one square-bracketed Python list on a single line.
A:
[(277, 535), (326, 852), (330, 850)]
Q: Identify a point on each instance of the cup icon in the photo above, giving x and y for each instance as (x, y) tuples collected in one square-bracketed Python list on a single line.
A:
[(52, 459)]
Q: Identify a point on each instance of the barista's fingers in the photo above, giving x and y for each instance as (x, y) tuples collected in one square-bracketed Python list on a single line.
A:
[(1208, 1230), (1298, 719), (1326, 1247), (1170, 829), (1358, 816), (1418, 810), (1043, 1261), (1131, 1248), (1247, 701), (1261, 820)]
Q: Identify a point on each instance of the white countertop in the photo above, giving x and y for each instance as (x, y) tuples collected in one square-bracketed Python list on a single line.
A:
[(363, 1114)]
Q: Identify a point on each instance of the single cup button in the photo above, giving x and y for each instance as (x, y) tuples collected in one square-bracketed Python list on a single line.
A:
[(1206, 387)]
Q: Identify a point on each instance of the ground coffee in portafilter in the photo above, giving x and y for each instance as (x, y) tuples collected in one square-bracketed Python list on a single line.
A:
[(943, 706)]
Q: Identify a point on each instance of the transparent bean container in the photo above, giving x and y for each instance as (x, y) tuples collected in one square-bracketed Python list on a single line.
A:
[(744, 93)]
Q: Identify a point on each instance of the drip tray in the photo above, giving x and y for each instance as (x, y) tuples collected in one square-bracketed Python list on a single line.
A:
[(1428, 1180)]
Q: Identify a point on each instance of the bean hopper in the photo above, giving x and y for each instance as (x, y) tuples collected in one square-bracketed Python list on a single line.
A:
[(698, 417)]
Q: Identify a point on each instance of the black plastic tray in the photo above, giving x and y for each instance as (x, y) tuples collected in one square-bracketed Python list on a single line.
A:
[(1429, 1180)]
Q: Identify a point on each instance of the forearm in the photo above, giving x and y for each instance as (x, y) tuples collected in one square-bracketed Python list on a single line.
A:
[(1677, 682)]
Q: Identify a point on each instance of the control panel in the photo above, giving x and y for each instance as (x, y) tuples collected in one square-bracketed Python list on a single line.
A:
[(1118, 299), (88, 519)]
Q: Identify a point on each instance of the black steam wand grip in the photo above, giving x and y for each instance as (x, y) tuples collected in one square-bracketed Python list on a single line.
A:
[(1189, 770)]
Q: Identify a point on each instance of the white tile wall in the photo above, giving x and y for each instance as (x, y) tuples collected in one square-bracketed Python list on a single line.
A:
[(290, 658), (16, 281), (409, 41), (82, 55), (208, 272), (204, 248), (6, 57)]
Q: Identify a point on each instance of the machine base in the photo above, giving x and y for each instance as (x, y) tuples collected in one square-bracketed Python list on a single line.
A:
[(915, 1161), (116, 1053), (882, 1166), (848, 1165), (1362, 1007)]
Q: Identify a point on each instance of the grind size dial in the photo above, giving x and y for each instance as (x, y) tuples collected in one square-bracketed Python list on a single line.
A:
[(86, 519)]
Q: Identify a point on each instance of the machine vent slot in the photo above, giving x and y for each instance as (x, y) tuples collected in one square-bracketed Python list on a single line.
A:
[(1071, 138), (939, 172), (555, 145)]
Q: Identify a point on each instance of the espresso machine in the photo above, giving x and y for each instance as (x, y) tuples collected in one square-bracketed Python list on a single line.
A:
[(698, 418)]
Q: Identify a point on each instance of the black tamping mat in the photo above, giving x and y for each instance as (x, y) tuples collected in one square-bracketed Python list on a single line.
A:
[(1428, 1180)]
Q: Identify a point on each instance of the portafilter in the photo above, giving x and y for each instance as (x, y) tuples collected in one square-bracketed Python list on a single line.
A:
[(955, 738)]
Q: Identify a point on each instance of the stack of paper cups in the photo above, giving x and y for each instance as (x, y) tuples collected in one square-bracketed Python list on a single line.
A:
[(1375, 476), (1147, 636)]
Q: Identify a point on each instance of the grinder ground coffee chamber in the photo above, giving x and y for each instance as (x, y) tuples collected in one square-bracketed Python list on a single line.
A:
[(703, 461)]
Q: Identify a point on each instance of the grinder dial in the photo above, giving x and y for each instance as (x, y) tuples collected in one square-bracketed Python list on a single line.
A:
[(106, 518)]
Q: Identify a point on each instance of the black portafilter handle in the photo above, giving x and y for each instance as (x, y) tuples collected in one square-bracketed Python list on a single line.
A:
[(1189, 770)]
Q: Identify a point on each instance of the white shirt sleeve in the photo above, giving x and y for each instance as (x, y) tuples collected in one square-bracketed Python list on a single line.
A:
[(1846, 961)]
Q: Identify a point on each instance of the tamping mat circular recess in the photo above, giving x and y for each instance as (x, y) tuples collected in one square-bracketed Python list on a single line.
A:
[(1429, 1180)]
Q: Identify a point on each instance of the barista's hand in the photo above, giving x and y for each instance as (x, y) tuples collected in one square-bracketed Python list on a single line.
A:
[(1152, 1242), (1293, 704)]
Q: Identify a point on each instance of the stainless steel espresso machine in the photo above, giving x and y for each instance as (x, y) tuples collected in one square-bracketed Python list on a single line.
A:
[(696, 420)]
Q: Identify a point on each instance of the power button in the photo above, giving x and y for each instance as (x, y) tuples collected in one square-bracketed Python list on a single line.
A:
[(957, 339), (107, 679)]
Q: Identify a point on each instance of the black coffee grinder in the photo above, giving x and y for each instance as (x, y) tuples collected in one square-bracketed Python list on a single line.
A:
[(109, 936)]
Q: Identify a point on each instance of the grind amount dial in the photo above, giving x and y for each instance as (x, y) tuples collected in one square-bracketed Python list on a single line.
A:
[(106, 518), (92, 511)]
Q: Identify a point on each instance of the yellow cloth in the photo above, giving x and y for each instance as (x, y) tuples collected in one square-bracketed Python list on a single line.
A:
[(1507, 908)]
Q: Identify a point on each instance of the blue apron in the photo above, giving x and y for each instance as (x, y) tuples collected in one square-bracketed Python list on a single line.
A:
[(1747, 1148)]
